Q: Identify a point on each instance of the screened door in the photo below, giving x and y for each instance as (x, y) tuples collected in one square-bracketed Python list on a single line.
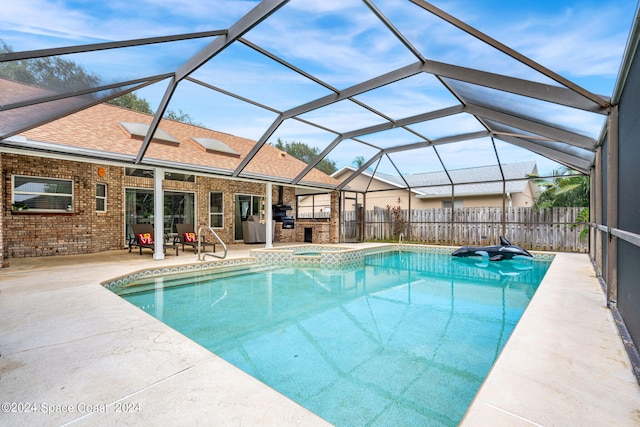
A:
[(352, 223)]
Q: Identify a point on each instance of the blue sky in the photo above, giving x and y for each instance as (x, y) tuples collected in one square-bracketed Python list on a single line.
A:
[(339, 41)]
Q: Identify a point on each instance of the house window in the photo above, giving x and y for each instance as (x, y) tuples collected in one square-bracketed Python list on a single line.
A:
[(42, 194), (216, 209), (314, 206), (456, 204), (101, 197), (148, 173)]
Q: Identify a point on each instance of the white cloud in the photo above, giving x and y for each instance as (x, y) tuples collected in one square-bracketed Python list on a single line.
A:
[(341, 49), (580, 42), (35, 20), (324, 6)]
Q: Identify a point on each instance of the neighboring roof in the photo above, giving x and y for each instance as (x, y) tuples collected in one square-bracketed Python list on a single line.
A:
[(483, 180), (477, 189), (98, 132), (510, 171)]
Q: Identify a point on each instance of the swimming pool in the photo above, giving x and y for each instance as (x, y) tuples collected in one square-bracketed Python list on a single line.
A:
[(406, 338)]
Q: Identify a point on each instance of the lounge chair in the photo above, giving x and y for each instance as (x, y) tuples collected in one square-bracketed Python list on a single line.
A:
[(188, 236), (143, 238)]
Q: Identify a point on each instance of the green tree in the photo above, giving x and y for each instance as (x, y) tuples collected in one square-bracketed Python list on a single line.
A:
[(569, 188), (181, 116), (132, 102), (61, 75), (358, 161), (53, 73), (302, 151)]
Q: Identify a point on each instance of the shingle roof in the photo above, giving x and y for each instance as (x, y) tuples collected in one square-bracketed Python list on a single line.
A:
[(469, 181), (98, 128)]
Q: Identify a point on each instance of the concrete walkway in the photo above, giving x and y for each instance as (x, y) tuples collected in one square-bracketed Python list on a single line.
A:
[(565, 363), (72, 352)]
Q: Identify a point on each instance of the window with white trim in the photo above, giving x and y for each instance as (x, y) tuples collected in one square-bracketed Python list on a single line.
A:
[(42, 194), (101, 197), (216, 209)]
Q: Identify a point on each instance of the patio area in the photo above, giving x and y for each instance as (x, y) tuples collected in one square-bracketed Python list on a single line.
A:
[(73, 352)]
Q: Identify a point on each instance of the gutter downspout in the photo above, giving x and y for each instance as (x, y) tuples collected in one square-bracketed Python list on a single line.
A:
[(269, 215)]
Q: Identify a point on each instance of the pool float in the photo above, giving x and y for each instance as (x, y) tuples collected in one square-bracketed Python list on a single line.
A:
[(505, 250)]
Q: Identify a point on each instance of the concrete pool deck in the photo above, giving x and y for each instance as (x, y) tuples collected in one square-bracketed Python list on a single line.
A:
[(72, 352)]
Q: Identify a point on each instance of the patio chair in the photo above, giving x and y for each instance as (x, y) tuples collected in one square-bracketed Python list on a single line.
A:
[(188, 236), (143, 238)]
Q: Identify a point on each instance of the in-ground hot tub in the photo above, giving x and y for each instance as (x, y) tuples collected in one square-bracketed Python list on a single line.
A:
[(308, 254)]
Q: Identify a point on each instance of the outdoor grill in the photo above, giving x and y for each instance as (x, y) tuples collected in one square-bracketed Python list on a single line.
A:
[(280, 212)]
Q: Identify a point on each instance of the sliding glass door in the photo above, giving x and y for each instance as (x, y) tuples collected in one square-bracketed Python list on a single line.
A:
[(179, 208), (246, 205)]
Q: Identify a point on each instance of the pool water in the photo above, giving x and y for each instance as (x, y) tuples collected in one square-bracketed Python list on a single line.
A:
[(405, 339)]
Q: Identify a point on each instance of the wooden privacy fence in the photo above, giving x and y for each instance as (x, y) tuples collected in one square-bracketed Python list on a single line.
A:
[(552, 229)]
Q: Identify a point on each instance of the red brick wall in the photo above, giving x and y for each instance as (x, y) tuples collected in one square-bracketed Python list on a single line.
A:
[(229, 189), (26, 234), (322, 231)]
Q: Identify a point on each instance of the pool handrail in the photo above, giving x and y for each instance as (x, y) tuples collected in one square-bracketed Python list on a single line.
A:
[(202, 255)]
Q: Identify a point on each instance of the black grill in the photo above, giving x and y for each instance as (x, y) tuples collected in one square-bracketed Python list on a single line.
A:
[(280, 211), (280, 215)]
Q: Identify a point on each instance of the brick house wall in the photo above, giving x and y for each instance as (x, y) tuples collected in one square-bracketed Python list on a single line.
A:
[(322, 232), (27, 234), (229, 189), (288, 198), (30, 234)]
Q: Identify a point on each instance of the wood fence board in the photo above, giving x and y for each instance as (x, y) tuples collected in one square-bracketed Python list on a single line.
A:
[(550, 229)]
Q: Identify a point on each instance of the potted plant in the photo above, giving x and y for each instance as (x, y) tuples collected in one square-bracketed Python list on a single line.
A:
[(19, 206)]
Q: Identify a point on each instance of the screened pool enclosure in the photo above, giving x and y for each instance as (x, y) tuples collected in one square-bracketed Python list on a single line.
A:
[(381, 88)]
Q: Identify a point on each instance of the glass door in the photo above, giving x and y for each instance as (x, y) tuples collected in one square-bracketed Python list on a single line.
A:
[(246, 204), (138, 209), (179, 208)]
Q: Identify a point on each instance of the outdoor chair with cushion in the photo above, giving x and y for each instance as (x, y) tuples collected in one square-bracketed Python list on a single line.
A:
[(143, 238), (188, 236)]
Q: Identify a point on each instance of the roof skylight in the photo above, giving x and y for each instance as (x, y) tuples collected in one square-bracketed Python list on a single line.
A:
[(211, 145), (140, 130)]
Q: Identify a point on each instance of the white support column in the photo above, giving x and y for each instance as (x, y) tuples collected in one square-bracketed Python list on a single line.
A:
[(269, 215), (158, 214)]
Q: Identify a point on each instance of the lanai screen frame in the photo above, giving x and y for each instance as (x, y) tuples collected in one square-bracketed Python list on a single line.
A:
[(595, 156), (551, 140)]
